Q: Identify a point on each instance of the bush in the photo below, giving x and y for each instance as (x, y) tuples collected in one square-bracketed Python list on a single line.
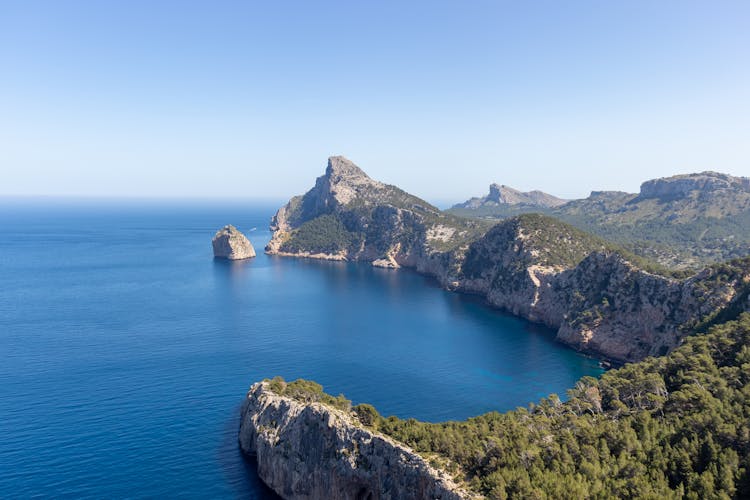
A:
[(367, 414), (307, 391)]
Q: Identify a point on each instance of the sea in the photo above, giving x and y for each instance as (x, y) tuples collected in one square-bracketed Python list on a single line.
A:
[(127, 349)]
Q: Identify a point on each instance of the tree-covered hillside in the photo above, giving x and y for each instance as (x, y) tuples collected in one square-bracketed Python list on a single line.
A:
[(676, 426), (671, 427)]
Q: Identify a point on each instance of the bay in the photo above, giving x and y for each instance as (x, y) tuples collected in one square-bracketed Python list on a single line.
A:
[(127, 349)]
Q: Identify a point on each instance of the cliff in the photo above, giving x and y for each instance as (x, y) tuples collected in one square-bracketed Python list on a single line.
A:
[(682, 186), (311, 450), (599, 298)]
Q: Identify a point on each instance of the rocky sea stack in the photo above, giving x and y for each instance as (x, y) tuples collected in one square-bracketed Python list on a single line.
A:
[(229, 243)]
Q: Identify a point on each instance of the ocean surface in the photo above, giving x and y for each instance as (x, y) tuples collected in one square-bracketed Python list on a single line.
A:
[(127, 350)]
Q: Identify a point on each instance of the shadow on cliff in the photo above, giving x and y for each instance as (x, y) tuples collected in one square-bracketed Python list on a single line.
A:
[(240, 470)]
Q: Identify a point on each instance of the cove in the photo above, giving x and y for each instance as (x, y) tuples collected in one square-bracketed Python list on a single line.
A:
[(128, 348)]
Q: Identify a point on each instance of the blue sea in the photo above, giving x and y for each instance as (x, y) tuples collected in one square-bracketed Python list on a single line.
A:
[(127, 349)]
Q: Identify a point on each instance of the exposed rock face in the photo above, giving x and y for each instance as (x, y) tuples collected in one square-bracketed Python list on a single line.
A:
[(505, 195), (231, 244), (531, 265), (680, 186), (313, 451)]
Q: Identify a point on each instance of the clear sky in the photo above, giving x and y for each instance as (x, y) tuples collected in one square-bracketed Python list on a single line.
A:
[(179, 98)]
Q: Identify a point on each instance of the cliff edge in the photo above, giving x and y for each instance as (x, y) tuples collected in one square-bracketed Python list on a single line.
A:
[(311, 450)]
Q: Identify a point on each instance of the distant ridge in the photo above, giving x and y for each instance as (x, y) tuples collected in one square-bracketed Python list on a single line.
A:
[(680, 221), (501, 194)]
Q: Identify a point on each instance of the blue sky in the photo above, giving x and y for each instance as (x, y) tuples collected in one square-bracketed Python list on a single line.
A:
[(248, 99)]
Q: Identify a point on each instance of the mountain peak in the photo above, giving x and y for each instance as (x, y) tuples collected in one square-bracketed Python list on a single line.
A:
[(342, 168)]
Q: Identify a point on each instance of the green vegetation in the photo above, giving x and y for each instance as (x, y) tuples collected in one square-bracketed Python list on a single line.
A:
[(550, 242), (307, 391), (670, 427), (324, 234), (724, 274)]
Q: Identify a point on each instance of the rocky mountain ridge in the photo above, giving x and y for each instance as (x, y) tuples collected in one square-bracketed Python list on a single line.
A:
[(501, 194), (681, 186), (683, 221), (599, 298)]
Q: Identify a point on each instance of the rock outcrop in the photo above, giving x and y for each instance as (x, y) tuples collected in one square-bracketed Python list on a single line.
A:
[(229, 243), (598, 299), (314, 451)]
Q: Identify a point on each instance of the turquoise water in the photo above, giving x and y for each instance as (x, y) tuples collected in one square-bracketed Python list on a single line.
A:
[(127, 349)]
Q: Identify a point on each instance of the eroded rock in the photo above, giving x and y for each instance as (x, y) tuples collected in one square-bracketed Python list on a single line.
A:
[(229, 243)]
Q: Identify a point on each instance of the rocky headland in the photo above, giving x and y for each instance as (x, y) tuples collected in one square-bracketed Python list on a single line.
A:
[(600, 298), (229, 243), (307, 449)]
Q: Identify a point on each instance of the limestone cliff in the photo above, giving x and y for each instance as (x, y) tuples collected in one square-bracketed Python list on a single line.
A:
[(706, 184), (596, 297), (229, 243), (309, 450), (599, 298)]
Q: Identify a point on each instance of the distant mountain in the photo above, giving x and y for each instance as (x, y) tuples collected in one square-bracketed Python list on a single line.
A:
[(504, 195), (681, 221)]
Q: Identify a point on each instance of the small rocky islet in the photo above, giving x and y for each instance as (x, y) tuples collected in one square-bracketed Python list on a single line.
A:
[(600, 297), (229, 243)]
